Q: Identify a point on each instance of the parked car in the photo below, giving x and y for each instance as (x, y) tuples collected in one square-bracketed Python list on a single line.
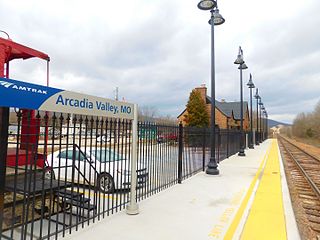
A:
[(54, 134), (167, 137), (102, 167), (105, 138)]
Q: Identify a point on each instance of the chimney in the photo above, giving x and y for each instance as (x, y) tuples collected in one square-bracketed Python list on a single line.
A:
[(203, 91)]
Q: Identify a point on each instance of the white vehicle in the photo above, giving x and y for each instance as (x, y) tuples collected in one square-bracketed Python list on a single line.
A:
[(99, 167), (103, 138), (107, 137)]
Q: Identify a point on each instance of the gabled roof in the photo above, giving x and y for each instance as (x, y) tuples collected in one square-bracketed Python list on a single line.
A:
[(182, 112), (227, 108)]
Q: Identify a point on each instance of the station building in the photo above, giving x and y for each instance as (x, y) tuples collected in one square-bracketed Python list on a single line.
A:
[(228, 114)]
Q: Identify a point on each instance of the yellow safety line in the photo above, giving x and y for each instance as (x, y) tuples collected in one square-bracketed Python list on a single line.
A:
[(266, 219), (233, 226)]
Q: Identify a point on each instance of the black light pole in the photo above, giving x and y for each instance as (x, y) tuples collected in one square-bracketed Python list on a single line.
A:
[(241, 67), (257, 130), (260, 138), (250, 86), (267, 129), (216, 19), (263, 123)]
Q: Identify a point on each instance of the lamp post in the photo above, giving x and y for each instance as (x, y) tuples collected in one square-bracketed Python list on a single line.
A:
[(216, 19), (250, 86), (260, 104), (267, 130), (257, 97), (239, 61), (263, 123)]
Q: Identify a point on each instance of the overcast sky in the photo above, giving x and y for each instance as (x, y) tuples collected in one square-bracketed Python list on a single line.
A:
[(157, 51)]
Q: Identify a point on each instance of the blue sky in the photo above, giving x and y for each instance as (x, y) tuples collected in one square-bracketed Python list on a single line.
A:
[(157, 51)]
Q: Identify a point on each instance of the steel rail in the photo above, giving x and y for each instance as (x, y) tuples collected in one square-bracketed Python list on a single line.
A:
[(305, 174), (302, 150)]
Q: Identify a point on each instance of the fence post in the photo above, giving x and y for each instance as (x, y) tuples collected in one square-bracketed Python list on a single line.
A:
[(204, 149), (219, 144), (4, 125), (180, 153), (133, 208), (228, 132)]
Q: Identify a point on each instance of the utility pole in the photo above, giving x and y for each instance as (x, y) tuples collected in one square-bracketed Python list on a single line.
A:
[(116, 94)]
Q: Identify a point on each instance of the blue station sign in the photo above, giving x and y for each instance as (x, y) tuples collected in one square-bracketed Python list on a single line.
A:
[(19, 94)]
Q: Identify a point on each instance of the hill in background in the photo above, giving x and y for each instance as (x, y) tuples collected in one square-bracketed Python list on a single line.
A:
[(273, 123)]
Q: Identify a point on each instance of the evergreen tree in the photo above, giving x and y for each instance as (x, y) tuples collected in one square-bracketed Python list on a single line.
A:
[(197, 115)]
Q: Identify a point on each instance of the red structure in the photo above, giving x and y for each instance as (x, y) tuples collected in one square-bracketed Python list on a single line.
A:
[(30, 128), (10, 50)]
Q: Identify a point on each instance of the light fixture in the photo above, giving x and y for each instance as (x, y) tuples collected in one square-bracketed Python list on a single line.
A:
[(256, 96), (239, 59), (207, 4), (243, 66), (250, 84), (217, 18)]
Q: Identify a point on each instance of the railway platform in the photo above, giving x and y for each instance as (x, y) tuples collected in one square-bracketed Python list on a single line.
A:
[(248, 200)]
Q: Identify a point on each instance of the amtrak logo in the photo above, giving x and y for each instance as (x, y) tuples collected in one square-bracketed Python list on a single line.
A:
[(22, 88), (5, 84)]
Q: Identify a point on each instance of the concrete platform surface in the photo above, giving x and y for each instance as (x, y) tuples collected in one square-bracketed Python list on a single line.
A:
[(202, 207)]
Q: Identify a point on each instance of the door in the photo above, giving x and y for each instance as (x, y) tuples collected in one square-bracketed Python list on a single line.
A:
[(69, 165)]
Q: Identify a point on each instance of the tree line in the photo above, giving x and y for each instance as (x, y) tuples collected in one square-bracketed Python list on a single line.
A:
[(307, 125)]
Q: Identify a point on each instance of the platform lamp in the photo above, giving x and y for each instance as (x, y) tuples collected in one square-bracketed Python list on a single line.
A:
[(250, 86), (266, 125), (262, 122), (216, 19), (257, 97), (239, 61), (260, 113), (263, 125)]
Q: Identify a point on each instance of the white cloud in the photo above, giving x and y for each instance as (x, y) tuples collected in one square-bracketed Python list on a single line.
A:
[(157, 51)]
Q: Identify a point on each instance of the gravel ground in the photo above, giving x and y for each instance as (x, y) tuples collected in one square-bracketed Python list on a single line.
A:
[(303, 223)]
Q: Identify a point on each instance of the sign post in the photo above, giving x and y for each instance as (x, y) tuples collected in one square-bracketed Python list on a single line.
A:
[(132, 208)]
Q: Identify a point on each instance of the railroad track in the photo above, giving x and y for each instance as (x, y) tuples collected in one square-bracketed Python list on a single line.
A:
[(304, 170)]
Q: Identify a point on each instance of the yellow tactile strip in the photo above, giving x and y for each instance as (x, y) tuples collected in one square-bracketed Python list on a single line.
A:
[(234, 225), (266, 218)]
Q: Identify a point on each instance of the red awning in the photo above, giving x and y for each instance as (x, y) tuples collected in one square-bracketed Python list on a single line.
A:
[(15, 50)]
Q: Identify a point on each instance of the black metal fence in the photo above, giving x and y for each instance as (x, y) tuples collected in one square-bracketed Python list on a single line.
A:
[(64, 172), (61, 172), (174, 153)]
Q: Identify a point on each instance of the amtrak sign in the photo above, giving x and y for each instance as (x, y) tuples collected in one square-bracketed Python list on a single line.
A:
[(31, 96)]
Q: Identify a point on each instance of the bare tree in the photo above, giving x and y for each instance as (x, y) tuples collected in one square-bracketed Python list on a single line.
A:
[(307, 125), (147, 113)]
